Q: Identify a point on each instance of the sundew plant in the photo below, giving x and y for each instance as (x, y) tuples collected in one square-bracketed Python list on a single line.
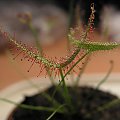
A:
[(79, 51)]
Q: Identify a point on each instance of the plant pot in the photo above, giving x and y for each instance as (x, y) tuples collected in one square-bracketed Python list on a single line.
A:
[(17, 92)]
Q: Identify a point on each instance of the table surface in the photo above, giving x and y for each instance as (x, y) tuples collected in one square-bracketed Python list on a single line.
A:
[(12, 71)]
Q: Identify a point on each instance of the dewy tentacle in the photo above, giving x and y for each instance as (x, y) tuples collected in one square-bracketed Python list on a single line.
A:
[(38, 58), (48, 63), (95, 46), (32, 54), (71, 58)]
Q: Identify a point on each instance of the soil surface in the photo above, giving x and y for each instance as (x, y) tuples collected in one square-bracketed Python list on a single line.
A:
[(85, 101)]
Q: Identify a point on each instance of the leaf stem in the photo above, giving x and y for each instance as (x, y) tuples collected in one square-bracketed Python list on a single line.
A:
[(31, 107), (82, 71), (104, 107), (35, 34), (76, 63), (106, 77), (55, 112), (66, 93)]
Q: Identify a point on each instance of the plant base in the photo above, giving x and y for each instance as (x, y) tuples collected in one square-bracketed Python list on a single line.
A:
[(85, 100)]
